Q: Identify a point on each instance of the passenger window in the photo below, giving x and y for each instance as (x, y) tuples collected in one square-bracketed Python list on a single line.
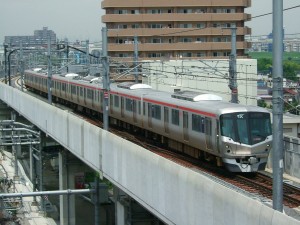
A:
[(116, 101), (128, 105), (175, 116), (156, 112)]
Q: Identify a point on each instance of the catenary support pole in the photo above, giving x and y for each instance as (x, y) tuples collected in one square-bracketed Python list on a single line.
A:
[(136, 72), (106, 88), (232, 67), (277, 102), (49, 71), (21, 64), (87, 54), (5, 62)]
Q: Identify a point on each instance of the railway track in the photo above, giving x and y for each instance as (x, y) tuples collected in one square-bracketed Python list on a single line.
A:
[(257, 184)]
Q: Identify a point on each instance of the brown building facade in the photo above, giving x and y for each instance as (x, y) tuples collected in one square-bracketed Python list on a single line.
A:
[(174, 29)]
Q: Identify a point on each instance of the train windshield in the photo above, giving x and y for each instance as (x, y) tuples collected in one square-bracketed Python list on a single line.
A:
[(246, 127)]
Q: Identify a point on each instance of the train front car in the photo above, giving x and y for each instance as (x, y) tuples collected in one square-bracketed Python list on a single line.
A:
[(245, 140)]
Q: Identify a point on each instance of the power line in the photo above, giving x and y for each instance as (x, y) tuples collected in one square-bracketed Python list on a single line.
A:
[(266, 14)]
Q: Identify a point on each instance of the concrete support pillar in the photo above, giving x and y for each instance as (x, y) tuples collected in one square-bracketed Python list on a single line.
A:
[(120, 209), (66, 181)]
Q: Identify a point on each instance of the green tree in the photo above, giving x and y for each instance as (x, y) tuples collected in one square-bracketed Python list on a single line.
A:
[(264, 64), (290, 70)]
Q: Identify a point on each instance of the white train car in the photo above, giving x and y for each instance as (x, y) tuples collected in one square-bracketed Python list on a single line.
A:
[(200, 125)]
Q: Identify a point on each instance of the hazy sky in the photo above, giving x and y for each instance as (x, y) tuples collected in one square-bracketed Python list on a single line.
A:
[(81, 19)]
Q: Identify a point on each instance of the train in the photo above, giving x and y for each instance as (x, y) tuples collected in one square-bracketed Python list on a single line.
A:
[(237, 137)]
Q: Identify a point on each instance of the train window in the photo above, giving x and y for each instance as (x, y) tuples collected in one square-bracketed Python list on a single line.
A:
[(227, 126), (81, 91), (89, 94), (156, 111), (111, 104), (197, 123), (116, 101), (102, 102), (260, 126), (128, 105), (139, 107), (73, 89), (144, 108), (175, 116)]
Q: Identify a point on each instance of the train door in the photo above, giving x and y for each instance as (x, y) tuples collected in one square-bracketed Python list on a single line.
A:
[(185, 126), (85, 95), (218, 136), (166, 119), (78, 93), (122, 107), (208, 134), (111, 103), (149, 115), (134, 108)]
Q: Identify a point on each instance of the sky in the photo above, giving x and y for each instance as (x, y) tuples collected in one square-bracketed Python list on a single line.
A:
[(81, 19)]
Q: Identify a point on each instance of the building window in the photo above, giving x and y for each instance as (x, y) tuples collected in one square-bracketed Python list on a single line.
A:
[(200, 25), (223, 10), (155, 40), (217, 54), (122, 26), (134, 11), (185, 39), (154, 55), (154, 11), (122, 55), (135, 26), (221, 39), (120, 11), (201, 54), (155, 26), (187, 54), (185, 25), (185, 11), (201, 39)]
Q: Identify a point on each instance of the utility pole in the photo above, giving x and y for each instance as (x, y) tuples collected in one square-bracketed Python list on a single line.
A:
[(105, 80), (5, 62), (277, 101), (232, 67), (22, 64), (49, 71), (68, 57), (136, 52), (87, 57)]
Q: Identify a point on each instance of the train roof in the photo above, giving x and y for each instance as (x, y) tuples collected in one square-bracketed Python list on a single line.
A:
[(207, 102)]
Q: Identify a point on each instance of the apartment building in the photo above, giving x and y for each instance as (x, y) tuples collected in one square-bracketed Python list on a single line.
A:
[(40, 37), (176, 29)]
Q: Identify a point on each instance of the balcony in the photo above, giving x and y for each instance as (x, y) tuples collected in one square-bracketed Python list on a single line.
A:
[(175, 17), (174, 3), (178, 32), (190, 46)]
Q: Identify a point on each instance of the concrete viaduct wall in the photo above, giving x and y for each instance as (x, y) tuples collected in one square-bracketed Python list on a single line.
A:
[(175, 194)]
